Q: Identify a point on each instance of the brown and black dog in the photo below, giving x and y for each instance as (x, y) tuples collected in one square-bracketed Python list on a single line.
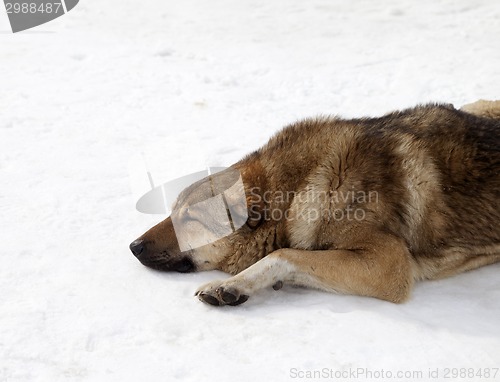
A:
[(364, 206)]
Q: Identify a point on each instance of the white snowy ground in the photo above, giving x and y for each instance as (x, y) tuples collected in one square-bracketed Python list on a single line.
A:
[(117, 77)]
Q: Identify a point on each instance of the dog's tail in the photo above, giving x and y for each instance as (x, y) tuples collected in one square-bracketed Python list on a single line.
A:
[(483, 108)]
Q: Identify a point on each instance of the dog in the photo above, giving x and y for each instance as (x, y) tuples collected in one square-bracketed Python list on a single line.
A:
[(365, 206)]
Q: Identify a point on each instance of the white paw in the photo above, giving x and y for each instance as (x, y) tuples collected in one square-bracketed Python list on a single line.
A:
[(220, 293)]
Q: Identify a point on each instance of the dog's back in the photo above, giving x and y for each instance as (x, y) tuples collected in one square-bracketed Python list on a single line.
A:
[(435, 171), (460, 153)]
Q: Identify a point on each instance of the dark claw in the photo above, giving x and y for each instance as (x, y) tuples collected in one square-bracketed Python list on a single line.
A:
[(208, 299), (229, 296), (241, 300), (278, 285)]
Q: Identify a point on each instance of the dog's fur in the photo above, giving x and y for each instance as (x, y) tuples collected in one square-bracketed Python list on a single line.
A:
[(434, 176)]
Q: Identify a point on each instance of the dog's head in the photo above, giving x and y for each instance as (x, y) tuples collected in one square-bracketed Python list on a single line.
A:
[(211, 220)]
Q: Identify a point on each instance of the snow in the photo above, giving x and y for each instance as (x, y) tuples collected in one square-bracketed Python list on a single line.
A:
[(83, 94)]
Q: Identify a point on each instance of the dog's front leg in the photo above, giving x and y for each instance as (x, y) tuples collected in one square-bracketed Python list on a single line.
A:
[(272, 270), (379, 267)]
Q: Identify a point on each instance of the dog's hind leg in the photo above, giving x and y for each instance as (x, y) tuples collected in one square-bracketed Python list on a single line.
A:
[(453, 261), (379, 267), (483, 108)]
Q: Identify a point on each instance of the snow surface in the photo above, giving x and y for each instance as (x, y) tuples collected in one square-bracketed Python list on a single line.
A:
[(79, 96)]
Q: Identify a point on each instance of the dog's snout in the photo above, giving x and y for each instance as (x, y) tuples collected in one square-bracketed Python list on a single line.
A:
[(137, 247)]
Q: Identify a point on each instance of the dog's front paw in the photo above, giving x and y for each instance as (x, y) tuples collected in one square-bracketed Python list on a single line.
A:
[(218, 293)]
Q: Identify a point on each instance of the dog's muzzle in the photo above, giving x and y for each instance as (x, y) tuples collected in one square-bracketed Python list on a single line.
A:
[(162, 261)]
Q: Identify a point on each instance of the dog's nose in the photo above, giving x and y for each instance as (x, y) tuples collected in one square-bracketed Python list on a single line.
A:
[(137, 247)]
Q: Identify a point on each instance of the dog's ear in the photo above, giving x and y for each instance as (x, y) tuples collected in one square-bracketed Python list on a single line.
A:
[(248, 210), (255, 208), (245, 203)]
